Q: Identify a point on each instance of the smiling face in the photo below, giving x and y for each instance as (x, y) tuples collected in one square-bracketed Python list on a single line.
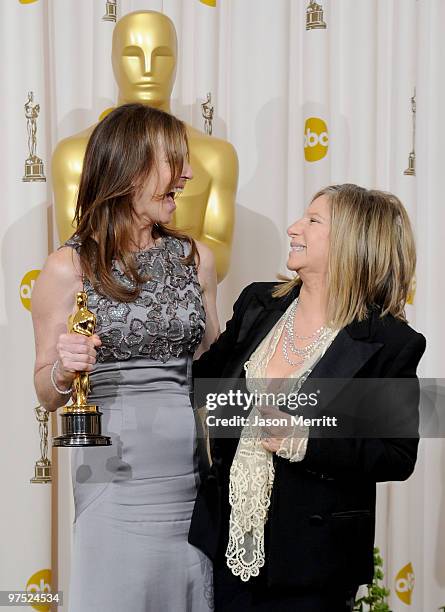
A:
[(151, 202), (144, 57), (309, 253)]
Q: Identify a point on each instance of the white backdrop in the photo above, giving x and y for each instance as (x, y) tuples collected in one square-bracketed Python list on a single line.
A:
[(271, 80)]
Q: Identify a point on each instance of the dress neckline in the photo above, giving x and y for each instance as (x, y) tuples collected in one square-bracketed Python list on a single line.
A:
[(155, 247)]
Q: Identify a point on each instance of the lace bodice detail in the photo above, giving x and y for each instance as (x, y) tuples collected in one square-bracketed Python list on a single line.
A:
[(166, 320)]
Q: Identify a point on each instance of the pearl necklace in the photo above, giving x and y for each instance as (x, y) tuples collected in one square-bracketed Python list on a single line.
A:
[(319, 336)]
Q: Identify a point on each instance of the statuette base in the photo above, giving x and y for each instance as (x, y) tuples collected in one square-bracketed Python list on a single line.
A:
[(81, 428), (411, 170), (42, 471), (110, 14), (34, 170)]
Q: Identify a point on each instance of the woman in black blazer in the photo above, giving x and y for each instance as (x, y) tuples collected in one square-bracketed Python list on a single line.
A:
[(342, 317)]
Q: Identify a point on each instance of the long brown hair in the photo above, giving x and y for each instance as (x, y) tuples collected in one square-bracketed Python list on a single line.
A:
[(121, 154), (372, 254)]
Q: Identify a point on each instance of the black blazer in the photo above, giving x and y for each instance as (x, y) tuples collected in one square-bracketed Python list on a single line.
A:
[(321, 523)]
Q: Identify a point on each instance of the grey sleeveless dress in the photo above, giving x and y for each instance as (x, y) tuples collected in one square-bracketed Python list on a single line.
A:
[(134, 499)]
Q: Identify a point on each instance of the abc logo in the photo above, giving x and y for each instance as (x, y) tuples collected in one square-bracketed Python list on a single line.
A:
[(40, 582), (404, 583), (316, 139), (26, 287)]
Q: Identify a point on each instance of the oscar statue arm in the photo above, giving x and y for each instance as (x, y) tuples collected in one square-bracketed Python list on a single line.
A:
[(67, 161), (221, 161)]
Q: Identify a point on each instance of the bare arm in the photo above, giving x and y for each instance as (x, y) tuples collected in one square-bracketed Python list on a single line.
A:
[(53, 301), (208, 282)]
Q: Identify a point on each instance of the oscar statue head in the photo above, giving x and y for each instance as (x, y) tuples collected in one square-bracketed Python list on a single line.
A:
[(144, 58)]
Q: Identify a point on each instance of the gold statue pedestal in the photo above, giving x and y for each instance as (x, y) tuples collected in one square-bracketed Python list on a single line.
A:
[(81, 427), (411, 170), (110, 11), (314, 16), (34, 170), (42, 471)]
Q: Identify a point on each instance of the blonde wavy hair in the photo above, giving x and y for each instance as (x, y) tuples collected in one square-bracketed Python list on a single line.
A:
[(372, 255)]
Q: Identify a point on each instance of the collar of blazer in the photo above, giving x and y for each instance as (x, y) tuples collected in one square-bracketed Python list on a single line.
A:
[(350, 350)]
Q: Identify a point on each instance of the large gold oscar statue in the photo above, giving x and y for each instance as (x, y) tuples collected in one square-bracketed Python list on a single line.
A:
[(144, 60)]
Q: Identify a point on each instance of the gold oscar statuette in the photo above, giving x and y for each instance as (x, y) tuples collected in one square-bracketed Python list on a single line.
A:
[(411, 170), (80, 421), (42, 467), (144, 60), (34, 170), (314, 16)]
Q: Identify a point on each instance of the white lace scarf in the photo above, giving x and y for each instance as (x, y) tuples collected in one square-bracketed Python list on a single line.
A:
[(252, 471)]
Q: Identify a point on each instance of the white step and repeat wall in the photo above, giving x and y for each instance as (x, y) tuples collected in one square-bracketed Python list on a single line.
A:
[(304, 107)]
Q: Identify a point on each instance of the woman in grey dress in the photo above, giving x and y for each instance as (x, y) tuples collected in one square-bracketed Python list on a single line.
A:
[(153, 291)]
